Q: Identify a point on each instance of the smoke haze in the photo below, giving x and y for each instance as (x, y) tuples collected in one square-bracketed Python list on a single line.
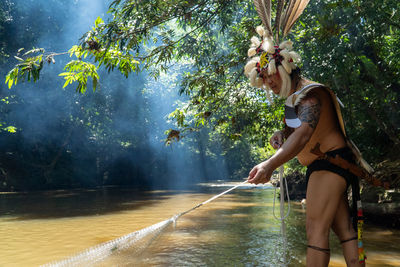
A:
[(114, 136)]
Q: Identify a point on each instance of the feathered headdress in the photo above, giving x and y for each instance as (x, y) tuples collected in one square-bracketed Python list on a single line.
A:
[(268, 55)]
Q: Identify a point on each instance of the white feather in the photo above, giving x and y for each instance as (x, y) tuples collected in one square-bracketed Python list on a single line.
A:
[(285, 54), (286, 66), (252, 51), (286, 84), (286, 45), (253, 76), (260, 30), (268, 45), (250, 65), (247, 69), (296, 57), (271, 67), (255, 41)]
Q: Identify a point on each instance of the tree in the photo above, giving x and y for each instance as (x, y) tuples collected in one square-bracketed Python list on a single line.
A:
[(349, 45), (352, 42)]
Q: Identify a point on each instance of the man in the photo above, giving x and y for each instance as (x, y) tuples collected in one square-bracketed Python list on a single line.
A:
[(327, 204), (314, 132)]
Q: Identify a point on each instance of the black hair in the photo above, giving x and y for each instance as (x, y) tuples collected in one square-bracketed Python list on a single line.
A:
[(295, 74)]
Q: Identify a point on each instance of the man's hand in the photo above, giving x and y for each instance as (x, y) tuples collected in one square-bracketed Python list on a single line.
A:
[(260, 174), (276, 140)]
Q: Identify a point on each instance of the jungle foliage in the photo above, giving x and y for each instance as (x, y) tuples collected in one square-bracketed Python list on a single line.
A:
[(349, 45)]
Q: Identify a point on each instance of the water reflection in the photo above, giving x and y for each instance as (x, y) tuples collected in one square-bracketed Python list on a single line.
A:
[(61, 204), (237, 229)]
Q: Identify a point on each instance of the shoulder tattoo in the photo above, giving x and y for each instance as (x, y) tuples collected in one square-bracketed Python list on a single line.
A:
[(309, 111)]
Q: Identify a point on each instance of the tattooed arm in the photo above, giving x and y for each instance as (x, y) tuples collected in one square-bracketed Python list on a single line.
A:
[(309, 110), (308, 113)]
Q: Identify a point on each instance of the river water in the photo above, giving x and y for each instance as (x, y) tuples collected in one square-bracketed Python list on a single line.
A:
[(237, 229)]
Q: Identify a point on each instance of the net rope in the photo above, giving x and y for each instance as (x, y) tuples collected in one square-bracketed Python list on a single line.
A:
[(146, 235), (283, 185)]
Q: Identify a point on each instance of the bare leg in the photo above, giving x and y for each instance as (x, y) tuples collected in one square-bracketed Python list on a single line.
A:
[(324, 192), (343, 228)]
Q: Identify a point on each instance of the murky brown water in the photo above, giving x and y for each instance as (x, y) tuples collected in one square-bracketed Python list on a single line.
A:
[(237, 229)]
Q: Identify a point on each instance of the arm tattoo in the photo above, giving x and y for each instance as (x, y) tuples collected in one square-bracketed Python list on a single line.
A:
[(309, 112)]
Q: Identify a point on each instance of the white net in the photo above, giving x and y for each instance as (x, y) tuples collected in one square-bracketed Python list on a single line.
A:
[(136, 241)]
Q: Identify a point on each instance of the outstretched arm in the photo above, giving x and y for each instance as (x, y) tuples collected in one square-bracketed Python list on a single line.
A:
[(308, 113)]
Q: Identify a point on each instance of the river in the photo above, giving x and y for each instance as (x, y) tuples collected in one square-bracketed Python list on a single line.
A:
[(237, 229)]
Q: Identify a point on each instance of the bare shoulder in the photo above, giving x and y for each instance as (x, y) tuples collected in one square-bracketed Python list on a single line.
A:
[(311, 97)]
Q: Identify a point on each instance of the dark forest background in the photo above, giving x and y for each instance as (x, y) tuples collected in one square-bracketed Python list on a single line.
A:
[(171, 106)]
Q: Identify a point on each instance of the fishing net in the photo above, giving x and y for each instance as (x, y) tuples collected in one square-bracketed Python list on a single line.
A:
[(135, 241)]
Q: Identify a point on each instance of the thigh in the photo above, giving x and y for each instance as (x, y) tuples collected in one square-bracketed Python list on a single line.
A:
[(324, 192), (342, 224)]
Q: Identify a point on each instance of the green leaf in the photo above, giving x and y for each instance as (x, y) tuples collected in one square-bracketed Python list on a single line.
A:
[(98, 21), (11, 129), (94, 83)]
